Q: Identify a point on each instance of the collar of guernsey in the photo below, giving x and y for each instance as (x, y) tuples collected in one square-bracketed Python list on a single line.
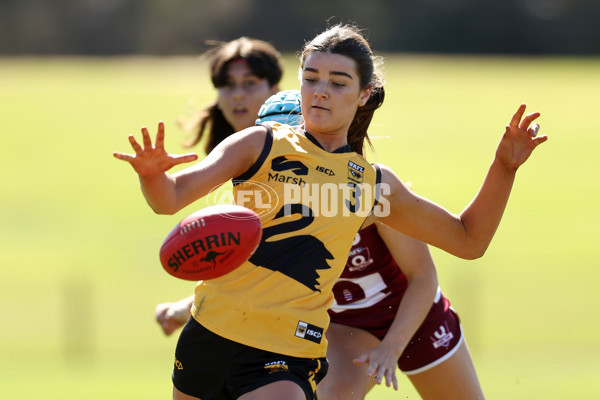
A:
[(311, 204)]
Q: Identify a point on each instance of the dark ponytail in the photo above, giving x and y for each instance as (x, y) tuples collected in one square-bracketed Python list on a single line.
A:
[(218, 130), (357, 133)]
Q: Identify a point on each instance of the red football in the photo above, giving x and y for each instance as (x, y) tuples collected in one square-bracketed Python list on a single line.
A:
[(211, 242)]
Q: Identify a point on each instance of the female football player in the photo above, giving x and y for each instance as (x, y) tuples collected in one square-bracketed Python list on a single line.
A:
[(257, 332), (381, 311), (245, 73), (389, 311)]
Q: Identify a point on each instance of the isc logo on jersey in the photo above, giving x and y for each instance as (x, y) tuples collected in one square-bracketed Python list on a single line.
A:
[(324, 170), (310, 332)]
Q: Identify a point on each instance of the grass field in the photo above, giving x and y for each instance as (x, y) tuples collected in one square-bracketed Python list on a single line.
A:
[(80, 275)]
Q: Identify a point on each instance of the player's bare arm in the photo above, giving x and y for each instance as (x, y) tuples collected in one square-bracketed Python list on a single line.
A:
[(169, 193), (419, 269), (469, 234), (231, 158)]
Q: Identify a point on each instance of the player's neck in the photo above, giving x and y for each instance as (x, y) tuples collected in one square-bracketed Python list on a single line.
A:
[(330, 141)]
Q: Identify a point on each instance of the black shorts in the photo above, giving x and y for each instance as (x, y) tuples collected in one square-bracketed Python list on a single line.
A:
[(211, 367)]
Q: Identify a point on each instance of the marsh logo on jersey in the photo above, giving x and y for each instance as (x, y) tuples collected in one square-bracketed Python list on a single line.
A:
[(309, 332), (443, 336), (355, 172), (281, 164)]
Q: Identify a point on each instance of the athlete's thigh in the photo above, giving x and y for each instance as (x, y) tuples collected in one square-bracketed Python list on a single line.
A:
[(202, 363), (344, 379), (276, 391), (455, 378)]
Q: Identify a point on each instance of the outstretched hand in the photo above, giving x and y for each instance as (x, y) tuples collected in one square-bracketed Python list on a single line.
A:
[(151, 160), (519, 139), (382, 363)]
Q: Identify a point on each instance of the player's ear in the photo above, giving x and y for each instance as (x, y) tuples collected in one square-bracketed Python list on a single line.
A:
[(274, 89), (364, 96)]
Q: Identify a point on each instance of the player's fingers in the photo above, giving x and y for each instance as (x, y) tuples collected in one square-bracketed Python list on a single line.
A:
[(388, 378), (514, 122), (160, 135), (161, 307), (166, 328), (123, 156), (372, 371), (380, 375), (146, 138), (184, 158), (361, 360), (539, 140), (169, 331), (134, 144), (528, 119), (377, 378)]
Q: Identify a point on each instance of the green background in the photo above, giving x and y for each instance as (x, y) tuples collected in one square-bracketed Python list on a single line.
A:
[(80, 274)]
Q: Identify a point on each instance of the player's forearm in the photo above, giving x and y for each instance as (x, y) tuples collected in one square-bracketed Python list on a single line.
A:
[(159, 192), (482, 217), (412, 311)]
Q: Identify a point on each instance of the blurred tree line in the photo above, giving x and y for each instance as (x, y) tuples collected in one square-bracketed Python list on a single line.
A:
[(167, 27)]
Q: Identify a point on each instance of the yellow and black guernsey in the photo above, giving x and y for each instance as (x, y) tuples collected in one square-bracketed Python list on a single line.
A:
[(311, 203)]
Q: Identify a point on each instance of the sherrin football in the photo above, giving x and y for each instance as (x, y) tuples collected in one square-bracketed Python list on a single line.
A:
[(211, 242)]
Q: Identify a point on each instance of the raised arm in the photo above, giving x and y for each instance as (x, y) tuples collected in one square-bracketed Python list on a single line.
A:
[(469, 234), (168, 193)]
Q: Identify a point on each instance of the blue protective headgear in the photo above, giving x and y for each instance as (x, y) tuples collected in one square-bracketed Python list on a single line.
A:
[(282, 107)]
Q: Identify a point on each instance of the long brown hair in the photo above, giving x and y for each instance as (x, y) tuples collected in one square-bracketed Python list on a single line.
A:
[(263, 60), (347, 40)]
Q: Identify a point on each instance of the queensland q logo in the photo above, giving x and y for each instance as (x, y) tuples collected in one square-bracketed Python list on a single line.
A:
[(254, 195)]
